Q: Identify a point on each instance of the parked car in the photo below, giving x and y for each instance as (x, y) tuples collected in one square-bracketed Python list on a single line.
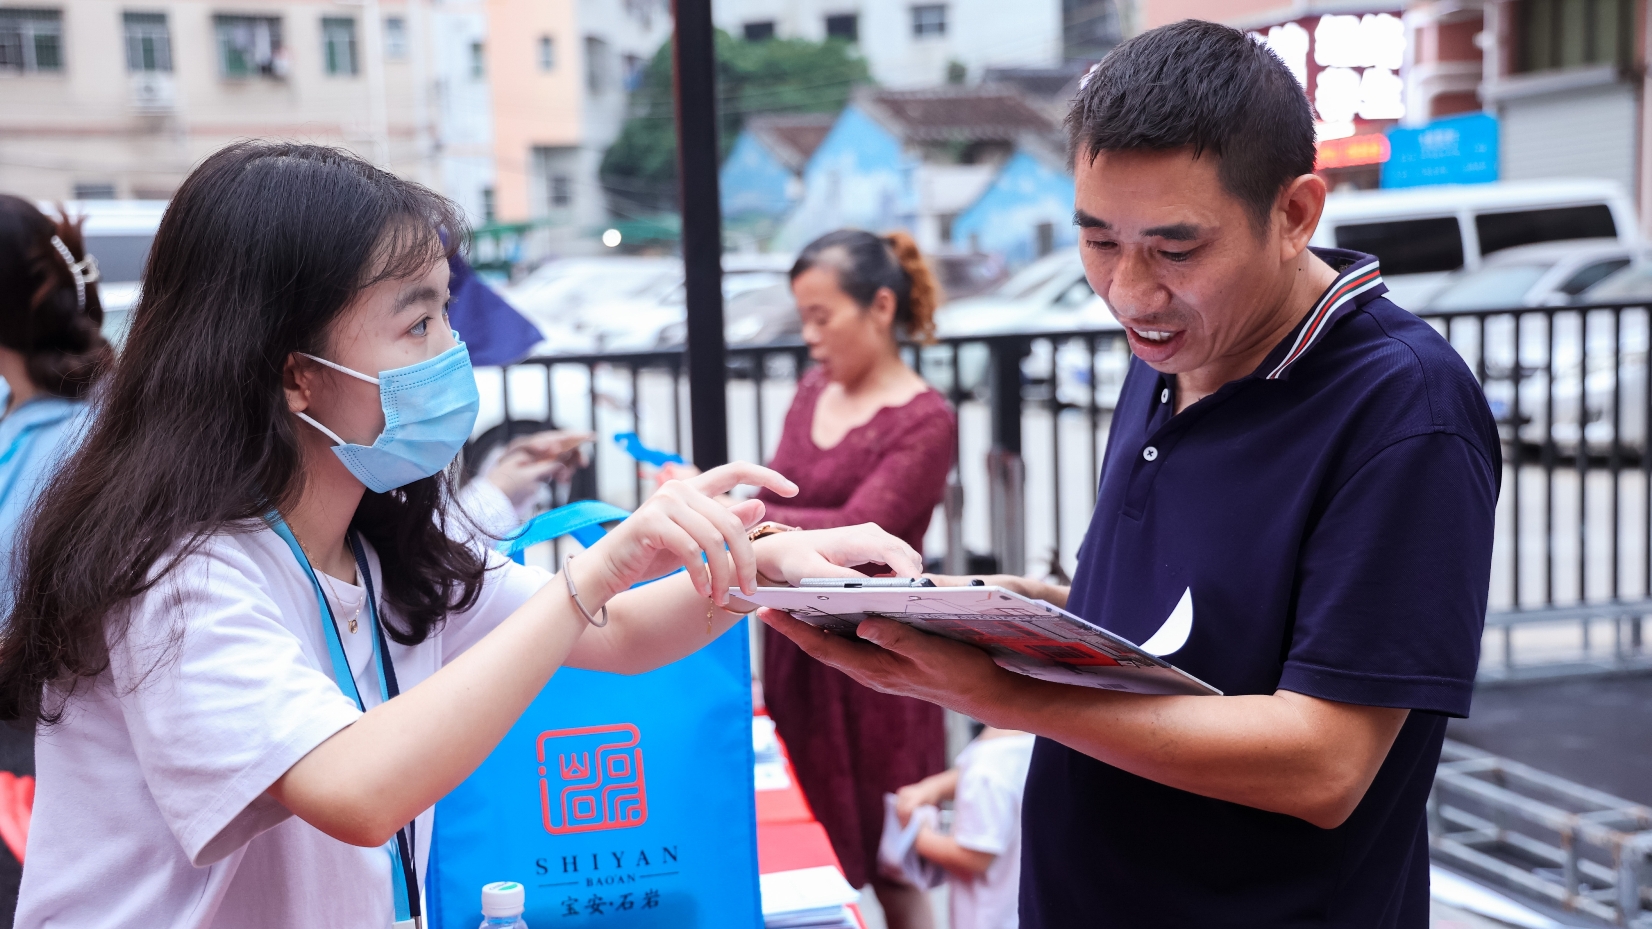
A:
[(1630, 283), (1423, 234), (1546, 274), (1049, 295), (635, 304), (1555, 370), (118, 234)]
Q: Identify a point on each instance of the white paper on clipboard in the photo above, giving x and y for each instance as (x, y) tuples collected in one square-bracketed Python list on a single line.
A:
[(1030, 637)]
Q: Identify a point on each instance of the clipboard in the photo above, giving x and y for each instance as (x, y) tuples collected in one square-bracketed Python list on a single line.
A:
[(1026, 636)]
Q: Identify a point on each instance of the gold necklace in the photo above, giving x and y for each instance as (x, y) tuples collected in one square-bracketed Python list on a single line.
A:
[(328, 580)]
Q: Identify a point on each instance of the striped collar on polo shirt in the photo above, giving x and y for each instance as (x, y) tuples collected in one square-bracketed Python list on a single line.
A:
[(1360, 277)]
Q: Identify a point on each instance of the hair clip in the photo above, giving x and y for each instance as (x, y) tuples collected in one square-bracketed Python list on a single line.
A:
[(85, 271), (1084, 81)]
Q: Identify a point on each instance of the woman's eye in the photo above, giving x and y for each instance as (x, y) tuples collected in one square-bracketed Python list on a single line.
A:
[(421, 327)]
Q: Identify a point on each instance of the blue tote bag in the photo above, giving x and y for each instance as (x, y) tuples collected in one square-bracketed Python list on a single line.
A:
[(616, 801)]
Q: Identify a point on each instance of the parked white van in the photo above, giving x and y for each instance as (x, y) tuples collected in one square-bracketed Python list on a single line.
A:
[(118, 234), (1422, 234)]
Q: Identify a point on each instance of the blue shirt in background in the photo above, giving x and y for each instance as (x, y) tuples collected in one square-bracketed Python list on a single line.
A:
[(34, 440), (1329, 519)]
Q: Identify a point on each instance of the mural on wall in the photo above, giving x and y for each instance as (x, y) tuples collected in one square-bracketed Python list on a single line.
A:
[(1029, 192), (754, 183), (858, 177)]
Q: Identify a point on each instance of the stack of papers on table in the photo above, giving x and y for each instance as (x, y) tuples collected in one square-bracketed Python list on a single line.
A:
[(769, 773), (817, 898)]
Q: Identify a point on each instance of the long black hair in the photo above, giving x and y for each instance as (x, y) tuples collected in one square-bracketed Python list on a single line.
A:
[(262, 248), (43, 316)]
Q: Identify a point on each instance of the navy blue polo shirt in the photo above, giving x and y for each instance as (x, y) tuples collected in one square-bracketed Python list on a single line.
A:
[(1330, 518)]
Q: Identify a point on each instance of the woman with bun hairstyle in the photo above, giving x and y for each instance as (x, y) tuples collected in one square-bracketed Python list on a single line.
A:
[(866, 441), (51, 353), (256, 654)]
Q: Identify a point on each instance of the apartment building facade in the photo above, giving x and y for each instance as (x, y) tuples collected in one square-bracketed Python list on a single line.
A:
[(923, 44), (120, 98)]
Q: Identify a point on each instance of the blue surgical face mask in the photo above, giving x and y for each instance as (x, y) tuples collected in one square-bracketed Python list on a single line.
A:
[(429, 411)]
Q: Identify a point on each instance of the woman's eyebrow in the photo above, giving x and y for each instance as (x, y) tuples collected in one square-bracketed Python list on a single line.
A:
[(419, 294)]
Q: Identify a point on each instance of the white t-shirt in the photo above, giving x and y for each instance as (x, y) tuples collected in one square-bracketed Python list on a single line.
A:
[(151, 809), (987, 818)]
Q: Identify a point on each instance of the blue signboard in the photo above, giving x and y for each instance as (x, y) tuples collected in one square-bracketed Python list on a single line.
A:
[(1455, 150)]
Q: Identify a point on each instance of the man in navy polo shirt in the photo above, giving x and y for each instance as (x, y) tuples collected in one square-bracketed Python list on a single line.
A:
[(1296, 506)]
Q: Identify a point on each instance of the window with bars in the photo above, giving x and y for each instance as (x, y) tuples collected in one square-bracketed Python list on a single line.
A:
[(249, 46), (844, 26), (148, 43), (929, 21), (31, 40), (596, 65), (395, 38), (1575, 33), (338, 44)]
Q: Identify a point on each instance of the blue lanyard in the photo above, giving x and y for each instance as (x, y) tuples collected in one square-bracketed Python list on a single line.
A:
[(403, 874), (26, 437)]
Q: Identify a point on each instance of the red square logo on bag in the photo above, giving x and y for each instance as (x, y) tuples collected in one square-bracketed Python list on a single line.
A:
[(590, 779)]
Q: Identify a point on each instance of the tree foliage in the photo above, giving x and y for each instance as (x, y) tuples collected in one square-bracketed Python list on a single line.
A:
[(772, 76)]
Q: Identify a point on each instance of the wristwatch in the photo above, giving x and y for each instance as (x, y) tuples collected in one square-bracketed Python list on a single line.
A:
[(762, 531), (765, 529)]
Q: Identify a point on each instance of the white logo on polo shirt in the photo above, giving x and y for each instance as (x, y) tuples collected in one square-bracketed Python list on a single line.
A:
[(1173, 634)]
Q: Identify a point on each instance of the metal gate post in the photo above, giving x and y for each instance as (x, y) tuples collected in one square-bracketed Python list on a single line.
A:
[(1006, 474), (696, 89), (956, 560)]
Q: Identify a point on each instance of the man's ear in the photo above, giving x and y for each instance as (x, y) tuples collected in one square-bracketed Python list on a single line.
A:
[(1300, 205)]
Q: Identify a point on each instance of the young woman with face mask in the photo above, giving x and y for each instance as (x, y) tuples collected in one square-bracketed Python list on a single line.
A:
[(867, 441), (257, 653)]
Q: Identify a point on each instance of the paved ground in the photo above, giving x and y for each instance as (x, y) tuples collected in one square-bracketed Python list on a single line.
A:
[(1595, 732)]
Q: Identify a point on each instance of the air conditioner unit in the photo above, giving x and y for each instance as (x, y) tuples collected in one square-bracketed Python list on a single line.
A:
[(152, 91)]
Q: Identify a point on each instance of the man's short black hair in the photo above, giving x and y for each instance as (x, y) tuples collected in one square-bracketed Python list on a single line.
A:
[(1207, 87)]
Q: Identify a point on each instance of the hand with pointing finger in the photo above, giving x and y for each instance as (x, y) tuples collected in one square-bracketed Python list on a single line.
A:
[(682, 526)]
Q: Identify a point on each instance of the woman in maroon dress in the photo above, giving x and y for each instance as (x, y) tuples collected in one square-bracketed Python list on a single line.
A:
[(865, 440)]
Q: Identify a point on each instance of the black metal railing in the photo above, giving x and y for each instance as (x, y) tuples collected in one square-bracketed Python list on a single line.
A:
[(1572, 575)]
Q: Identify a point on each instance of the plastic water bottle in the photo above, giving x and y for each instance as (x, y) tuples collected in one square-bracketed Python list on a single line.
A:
[(502, 904)]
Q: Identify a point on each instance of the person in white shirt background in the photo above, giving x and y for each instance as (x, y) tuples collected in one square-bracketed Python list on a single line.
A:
[(256, 653), (505, 482), (982, 854)]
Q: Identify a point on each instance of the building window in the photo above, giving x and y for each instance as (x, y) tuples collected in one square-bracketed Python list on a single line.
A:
[(634, 67), (31, 40), (395, 38), (1575, 33), (249, 46), (547, 53), (844, 26), (551, 174), (487, 205), (760, 31), (596, 64), (478, 60), (338, 45), (95, 191), (148, 44), (929, 21)]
